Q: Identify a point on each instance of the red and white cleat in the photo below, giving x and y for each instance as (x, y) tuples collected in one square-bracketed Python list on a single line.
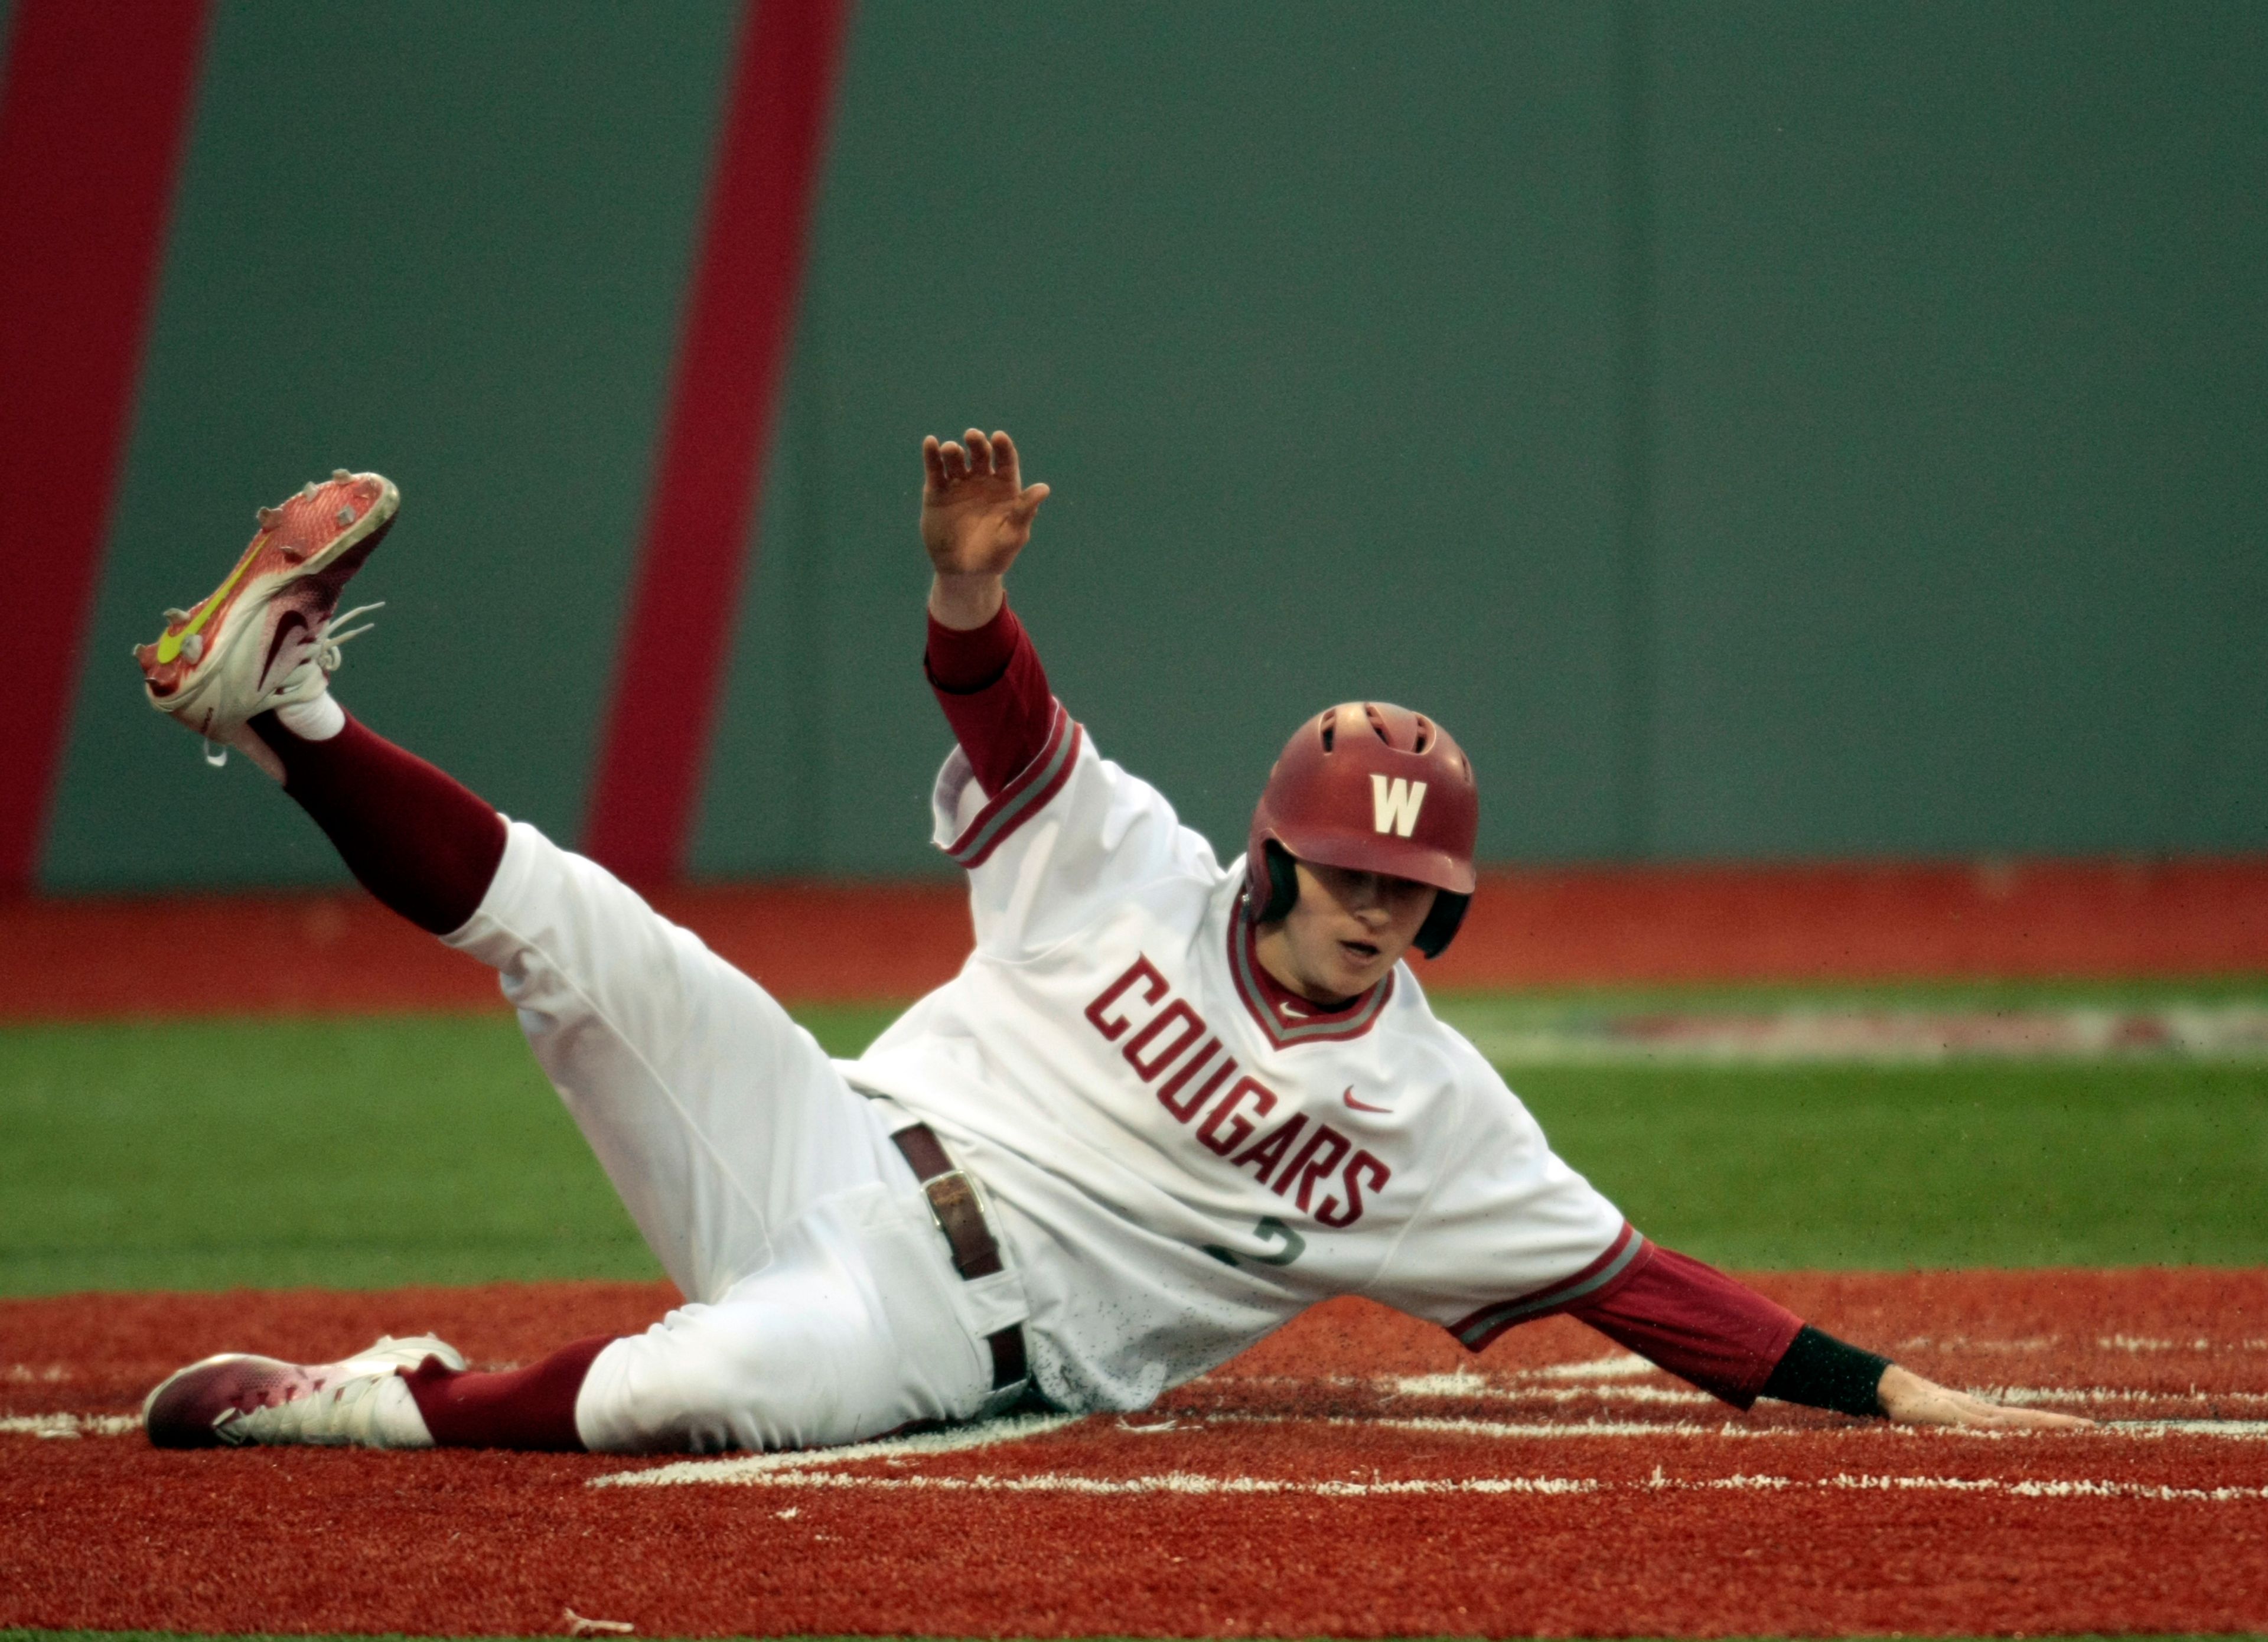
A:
[(235, 1399), (267, 635)]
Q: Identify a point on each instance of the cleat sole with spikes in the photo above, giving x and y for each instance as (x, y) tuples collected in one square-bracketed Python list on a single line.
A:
[(264, 637)]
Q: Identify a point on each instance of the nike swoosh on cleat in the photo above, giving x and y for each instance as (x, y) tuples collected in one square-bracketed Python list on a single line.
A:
[(1364, 1106), (283, 629)]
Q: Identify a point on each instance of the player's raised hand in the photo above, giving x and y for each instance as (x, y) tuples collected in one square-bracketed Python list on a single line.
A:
[(976, 511), (1910, 1400)]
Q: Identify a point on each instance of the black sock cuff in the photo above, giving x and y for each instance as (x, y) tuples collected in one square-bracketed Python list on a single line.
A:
[(1820, 1371)]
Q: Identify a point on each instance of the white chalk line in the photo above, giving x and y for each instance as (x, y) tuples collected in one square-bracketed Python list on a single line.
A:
[(1851, 1034), (2131, 1344), (2025, 1395), (1558, 1429), (2023, 1487), (1480, 1386), (1067, 1482), (67, 1425), (1197, 1483), (2251, 1431), (1455, 1387), (1618, 1366), (2015, 1397), (748, 1467), (1446, 1425), (2235, 1430), (2032, 1488), (815, 1468)]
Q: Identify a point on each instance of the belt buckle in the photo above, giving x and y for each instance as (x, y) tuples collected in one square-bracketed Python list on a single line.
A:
[(958, 1210), (949, 1190)]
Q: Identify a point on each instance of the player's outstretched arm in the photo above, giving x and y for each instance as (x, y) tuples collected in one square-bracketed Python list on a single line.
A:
[(1910, 1400), (1719, 1334), (977, 515)]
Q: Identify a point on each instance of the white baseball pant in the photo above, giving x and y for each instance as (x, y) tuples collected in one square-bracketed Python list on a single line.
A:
[(822, 1306)]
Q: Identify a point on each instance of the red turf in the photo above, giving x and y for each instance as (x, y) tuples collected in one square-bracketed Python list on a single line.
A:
[(817, 942), (105, 1532)]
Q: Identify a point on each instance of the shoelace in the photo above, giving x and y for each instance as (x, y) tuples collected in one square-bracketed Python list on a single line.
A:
[(328, 654), (321, 647)]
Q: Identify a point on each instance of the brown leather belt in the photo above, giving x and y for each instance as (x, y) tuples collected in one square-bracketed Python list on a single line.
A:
[(975, 1252)]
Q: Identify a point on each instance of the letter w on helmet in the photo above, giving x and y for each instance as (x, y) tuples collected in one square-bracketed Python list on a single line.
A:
[(1395, 802)]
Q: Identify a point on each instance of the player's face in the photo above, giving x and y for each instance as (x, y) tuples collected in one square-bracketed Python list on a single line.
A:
[(1346, 930)]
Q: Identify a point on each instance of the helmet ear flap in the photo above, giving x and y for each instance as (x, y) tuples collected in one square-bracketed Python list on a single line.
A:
[(1282, 883), (1440, 925)]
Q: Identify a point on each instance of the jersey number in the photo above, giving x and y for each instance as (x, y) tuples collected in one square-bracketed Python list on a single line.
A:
[(1269, 1230)]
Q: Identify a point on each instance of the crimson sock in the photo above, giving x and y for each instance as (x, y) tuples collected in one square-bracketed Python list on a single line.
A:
[(423, 844), (528, 1408)]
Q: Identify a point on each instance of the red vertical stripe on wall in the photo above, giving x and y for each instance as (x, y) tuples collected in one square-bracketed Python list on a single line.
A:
[(94, 105), (731, 358)]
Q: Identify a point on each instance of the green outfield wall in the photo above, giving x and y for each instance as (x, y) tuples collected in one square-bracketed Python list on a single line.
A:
[(1759, 430)]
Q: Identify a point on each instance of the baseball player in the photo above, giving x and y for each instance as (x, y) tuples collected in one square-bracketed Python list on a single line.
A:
[(1164, 1108)]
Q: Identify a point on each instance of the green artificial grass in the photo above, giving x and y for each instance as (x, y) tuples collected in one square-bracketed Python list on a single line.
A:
[(1879, 1168), (1976, 1163), (353, 1153), (369, 1153)]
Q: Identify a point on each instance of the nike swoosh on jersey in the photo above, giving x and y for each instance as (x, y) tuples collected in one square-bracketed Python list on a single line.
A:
[(1364, 1106)]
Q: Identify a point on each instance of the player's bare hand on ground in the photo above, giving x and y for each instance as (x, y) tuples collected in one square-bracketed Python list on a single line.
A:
[(976, 516), (1910, 1400)]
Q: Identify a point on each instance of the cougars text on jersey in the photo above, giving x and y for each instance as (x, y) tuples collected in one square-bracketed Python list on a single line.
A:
[(1168, 1045)]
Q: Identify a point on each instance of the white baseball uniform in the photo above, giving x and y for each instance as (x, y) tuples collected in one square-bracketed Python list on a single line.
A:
[(1181, 1157), (1177, 1157)]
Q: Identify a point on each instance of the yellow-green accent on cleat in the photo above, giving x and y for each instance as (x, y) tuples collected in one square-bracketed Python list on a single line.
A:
[(169, 642)]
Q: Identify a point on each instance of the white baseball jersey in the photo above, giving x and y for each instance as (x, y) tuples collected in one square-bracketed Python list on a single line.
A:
[(1178, 1164)]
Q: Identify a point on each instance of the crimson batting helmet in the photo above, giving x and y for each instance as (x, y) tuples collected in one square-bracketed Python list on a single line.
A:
[(1372, 788)]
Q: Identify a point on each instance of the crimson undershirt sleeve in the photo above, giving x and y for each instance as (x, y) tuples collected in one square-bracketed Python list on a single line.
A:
[(1696, 1322), (995, 695)]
